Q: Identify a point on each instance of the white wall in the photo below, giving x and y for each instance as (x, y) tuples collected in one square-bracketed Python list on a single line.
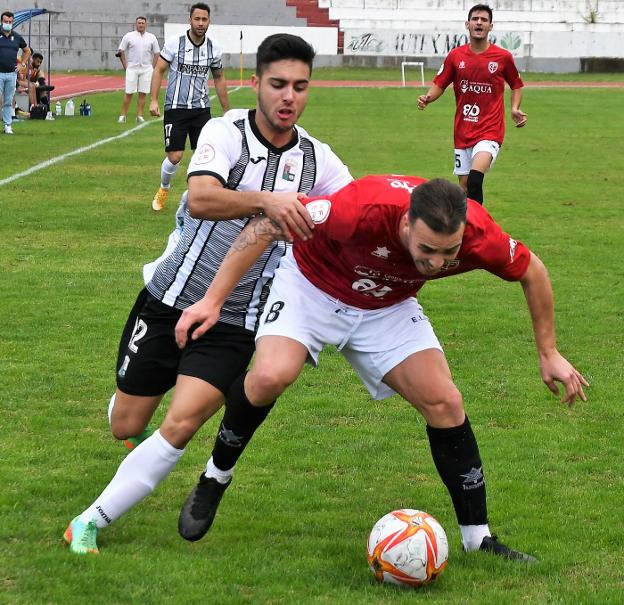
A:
[(578, 44), (324, 40), (435, 43)]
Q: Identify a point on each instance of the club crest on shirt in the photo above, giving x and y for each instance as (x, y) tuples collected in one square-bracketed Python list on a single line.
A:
[(319, 210), (204, 155), (492, 66), (290, 170), (461, 65)]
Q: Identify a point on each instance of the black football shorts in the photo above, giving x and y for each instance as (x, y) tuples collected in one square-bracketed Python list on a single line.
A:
[(149, 359), (180, 123)]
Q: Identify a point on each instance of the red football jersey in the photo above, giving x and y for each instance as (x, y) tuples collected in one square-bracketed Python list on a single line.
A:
[(479, 84), (357, 257)]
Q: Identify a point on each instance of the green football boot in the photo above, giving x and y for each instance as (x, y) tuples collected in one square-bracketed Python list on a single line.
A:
[(81, 537)]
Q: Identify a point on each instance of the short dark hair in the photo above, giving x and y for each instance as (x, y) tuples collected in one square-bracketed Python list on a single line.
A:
[(7, 14), (140, 17), (480, 7), (280, 47), (200, 6), (36, 56), (440, 204)]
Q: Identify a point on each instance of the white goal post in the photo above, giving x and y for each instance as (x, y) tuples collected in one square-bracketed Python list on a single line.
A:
[(420, 64)]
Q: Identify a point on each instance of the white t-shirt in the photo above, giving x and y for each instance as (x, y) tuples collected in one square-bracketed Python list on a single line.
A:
[(139, 48)]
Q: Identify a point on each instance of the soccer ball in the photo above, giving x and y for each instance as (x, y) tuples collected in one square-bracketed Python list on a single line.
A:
[(407, 547)]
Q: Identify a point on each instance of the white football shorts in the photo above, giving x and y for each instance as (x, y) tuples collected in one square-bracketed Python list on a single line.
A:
[(372, 341), (463, 157), (138, 79)]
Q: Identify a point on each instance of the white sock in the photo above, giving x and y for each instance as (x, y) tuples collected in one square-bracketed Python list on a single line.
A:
[(111, 405), (167, 170), (137, 477), (472, 535), (216, 473)]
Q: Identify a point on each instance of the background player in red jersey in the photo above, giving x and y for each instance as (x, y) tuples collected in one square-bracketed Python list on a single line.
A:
[(352, 285), (478, 71)]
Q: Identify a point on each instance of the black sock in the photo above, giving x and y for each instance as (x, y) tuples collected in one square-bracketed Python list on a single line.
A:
[(240, 421), (475, 186), (456, 456)]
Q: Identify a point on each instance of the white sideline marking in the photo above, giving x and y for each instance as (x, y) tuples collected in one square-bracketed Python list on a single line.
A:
[(80, 150)]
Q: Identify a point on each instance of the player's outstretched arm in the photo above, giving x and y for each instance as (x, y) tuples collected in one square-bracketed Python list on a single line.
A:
[(433, 94), (553, 366), (245, 251), (208, 199)]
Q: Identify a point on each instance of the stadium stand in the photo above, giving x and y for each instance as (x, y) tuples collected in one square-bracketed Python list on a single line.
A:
[(85, 33), (516, 15)]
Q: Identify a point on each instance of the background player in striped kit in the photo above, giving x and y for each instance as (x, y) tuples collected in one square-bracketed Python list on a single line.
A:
[(247, 162), (189, 58)]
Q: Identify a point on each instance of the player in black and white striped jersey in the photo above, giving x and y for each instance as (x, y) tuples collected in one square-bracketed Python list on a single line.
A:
[(189, 58), (234, 156), (247, 162)]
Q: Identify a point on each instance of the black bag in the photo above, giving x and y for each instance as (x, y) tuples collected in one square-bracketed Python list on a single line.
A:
[(38, 112)]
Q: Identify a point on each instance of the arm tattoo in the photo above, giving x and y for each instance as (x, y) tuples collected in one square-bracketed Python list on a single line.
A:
[(260, 228)]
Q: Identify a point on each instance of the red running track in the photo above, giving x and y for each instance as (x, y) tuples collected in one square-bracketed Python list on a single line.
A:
[(68, 85)]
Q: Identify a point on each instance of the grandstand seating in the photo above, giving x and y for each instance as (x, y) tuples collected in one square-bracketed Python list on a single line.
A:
[(516, 15), (85, 33)]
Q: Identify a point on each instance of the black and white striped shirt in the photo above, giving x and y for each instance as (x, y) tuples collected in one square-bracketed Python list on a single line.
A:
[(189, 68), (232, 150)]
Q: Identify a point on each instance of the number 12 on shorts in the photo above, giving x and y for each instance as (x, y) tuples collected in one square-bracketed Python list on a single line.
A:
[(139, 331)]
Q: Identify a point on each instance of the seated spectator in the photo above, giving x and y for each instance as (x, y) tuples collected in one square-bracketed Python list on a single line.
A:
[(36, 82)]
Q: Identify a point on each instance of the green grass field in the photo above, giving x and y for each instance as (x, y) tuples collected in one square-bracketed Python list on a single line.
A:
[(329, 462)]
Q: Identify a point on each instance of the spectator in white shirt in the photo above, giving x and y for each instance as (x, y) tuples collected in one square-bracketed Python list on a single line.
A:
[(138, 53)]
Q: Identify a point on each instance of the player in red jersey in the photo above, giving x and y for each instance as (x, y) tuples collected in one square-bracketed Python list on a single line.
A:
[(376, 242), (478, 71)]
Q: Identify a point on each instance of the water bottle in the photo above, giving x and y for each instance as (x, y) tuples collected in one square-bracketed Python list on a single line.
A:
[(69, 107), (58, 109)]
